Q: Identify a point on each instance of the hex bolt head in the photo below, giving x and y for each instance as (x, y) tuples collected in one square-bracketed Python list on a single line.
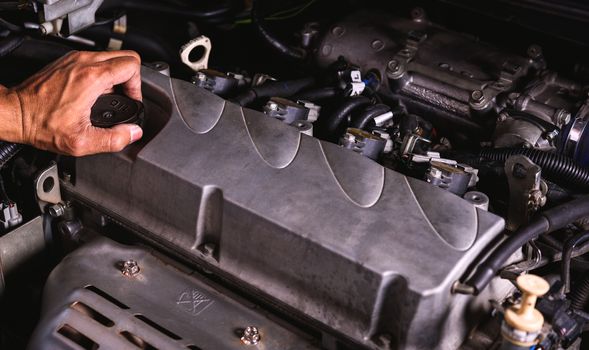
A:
[(564, 117), (57, 210), (393, 65), (477, 96), (130, 268), (534, 51), (250, 335)]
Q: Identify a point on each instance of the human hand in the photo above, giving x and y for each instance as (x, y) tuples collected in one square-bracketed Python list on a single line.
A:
[(51, 110)]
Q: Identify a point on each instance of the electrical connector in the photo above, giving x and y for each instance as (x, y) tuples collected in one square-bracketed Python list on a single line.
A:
[(9, 215)]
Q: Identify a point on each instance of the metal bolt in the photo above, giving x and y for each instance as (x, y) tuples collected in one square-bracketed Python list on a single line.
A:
[(57, 210), (377, 45), (273, 106), (534, 51), (338, 31), (250, 336), (130, 268), (393, 65), (563, 118), (209, 248), (477, 96), (537, 200), (67, 177), (551, 135), (417, 14), (201, 76)]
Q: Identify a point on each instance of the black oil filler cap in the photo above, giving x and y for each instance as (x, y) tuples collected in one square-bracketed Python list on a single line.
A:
[(114, 109)]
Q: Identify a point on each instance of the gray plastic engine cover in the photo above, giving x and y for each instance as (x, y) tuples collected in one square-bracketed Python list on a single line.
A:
[(317, 229)]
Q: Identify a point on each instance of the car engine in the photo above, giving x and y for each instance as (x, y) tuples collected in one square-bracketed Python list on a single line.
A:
[(314, 174)]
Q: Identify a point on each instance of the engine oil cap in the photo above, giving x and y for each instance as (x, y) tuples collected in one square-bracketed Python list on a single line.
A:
[(114, 109)]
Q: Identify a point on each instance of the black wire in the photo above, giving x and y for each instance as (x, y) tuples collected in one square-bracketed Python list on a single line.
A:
[(3, 190), (566, 258), (12, 27), (9, 6), (169, 9), (285, 49)]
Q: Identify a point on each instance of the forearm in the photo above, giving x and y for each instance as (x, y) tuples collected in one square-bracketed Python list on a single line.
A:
[(10, 116)]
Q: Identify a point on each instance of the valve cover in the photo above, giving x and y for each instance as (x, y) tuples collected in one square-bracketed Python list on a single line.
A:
[(317, 230)]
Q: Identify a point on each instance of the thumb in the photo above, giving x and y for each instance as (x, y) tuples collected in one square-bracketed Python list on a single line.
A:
[(113, 139)]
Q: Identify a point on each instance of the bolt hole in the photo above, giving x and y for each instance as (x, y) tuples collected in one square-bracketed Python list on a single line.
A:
[(48, 184), (197, 53)]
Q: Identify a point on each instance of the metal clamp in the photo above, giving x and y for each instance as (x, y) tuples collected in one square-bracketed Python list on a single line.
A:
[(527, 191), (47, 188)]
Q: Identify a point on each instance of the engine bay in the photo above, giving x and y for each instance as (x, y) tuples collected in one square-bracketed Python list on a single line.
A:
[(312, 175)]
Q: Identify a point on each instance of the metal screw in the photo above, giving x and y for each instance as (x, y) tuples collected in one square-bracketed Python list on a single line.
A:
[(477, 96), (107, 115), (250, 336), (534, 51), (338, 31), (417, 14), (57, 210), (551, 136), (394, 65), (67, 177), (201, 76), (273, 106), (377, 45), (537, 200), (209, 248), (130, 268), (563, 118)]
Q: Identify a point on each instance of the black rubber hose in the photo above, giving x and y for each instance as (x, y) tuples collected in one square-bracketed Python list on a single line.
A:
[(369, 114), (548, 221), (567, 253), (343, 112), (10, 26), (40, 50), (260, 23), (580, 295), (9, 5), (9, 44), (7, 151), (555, 167), (317, 94), (273, 89), (155, 6)]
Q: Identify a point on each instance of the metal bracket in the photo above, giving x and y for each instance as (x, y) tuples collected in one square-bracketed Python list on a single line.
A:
[(79, 14), (203, 61), (47, 188), (527, 191)]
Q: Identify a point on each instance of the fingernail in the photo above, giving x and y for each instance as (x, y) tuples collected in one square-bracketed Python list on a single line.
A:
[(136, 133)]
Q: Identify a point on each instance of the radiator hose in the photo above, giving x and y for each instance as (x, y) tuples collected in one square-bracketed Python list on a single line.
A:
[(555, 167)]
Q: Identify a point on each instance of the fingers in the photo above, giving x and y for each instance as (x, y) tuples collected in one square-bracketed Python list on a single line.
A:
[(99, 56), (97, 140), (114, 68), (124, 71)]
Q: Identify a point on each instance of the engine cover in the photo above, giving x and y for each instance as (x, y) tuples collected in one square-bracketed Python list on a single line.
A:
[(320, 231)]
